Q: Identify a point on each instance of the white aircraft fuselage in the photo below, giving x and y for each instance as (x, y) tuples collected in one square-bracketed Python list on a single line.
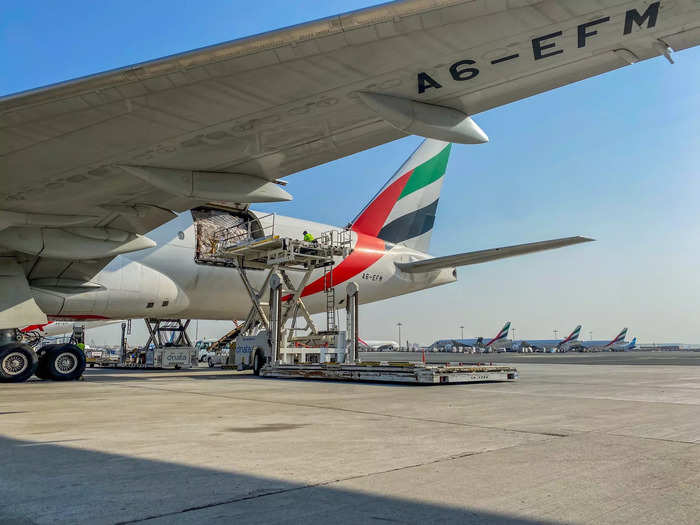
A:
[(166, 282)]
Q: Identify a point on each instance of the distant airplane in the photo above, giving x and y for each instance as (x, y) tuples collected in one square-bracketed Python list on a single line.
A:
[(379, 345), (548, 344), (616, 344), (475, 342)]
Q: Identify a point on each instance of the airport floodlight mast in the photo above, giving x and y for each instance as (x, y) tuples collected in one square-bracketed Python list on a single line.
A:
[(556, 334), (462, 331), (590, 335), (513, 332), (399, 325)]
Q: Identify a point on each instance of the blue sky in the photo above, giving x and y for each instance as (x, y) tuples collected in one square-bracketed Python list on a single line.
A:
[(613, 157)]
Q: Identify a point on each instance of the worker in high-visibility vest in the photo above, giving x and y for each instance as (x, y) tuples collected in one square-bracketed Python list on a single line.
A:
[(308, 237)]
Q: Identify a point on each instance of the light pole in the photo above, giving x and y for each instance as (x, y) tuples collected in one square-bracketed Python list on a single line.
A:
[(590, 335), (399, 325), (556, 334), (513, 333), (462, 329)]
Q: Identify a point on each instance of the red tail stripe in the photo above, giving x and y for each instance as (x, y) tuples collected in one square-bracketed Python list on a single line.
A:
[(374, 216)]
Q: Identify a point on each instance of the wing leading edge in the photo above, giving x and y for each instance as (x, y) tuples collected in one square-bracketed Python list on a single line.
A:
[(481, 256)]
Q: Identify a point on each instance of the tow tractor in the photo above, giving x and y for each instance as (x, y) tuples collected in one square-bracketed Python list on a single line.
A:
[(264, 342)]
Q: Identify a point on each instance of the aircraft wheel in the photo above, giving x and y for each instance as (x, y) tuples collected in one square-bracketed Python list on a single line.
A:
[(65, 362), (42, 370), (258, 362), (17, 363)]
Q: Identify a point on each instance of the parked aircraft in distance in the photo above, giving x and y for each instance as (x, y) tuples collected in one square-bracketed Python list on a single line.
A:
[(548, 344), (616, 344), (500, 340)]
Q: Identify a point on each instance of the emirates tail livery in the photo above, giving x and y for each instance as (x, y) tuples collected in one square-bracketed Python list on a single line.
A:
[(502, 335)]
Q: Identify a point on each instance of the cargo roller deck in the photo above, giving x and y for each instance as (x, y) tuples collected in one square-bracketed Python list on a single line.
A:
[(409, 373)]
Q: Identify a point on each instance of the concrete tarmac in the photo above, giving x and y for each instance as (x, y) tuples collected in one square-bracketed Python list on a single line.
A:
[(564, 444)]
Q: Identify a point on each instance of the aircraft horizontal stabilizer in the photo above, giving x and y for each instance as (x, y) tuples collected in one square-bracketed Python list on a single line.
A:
[(481, 256)]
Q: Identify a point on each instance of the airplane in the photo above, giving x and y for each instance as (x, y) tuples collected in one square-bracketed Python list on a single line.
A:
[(631, 346), (548, 344), (618, 343), (99, 174), (371, 345), (475, 342), (390, 237)]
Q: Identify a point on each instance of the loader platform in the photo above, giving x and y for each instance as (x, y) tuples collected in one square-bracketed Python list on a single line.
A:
[(384, 372)]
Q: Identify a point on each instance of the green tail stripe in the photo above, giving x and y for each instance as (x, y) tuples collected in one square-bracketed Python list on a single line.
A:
[(428, 172)]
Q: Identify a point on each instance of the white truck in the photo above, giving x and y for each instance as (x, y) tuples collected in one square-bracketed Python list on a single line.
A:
[(217, 358), (202, 348)]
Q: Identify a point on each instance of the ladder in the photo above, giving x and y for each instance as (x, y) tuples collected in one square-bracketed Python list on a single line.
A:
[(331, 321)]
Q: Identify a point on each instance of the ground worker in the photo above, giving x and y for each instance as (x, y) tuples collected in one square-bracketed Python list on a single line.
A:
[(308, 237)]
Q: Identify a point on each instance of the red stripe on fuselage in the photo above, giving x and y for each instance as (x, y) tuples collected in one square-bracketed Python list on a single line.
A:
[(33, 327), (373, 218), (367, 251), (65, 318)]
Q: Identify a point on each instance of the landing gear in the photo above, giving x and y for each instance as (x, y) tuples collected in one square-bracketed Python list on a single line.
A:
[(61, 362), (17, 362)]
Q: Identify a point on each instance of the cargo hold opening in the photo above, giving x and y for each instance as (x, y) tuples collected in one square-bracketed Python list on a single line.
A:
[(208, 220)]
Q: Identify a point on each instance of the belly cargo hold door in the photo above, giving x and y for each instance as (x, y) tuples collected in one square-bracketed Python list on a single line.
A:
[(210, 221)]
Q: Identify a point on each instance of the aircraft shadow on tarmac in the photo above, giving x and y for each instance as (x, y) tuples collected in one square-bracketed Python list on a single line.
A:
[(52, 483)]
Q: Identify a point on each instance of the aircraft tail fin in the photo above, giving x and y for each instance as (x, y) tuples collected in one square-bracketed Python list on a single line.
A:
[(620, 337), (403, 212), (503, 334), (573, 336)]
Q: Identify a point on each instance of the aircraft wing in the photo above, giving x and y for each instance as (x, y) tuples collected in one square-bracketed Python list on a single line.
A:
[(88, 166), (121, 149), (481, 256)]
